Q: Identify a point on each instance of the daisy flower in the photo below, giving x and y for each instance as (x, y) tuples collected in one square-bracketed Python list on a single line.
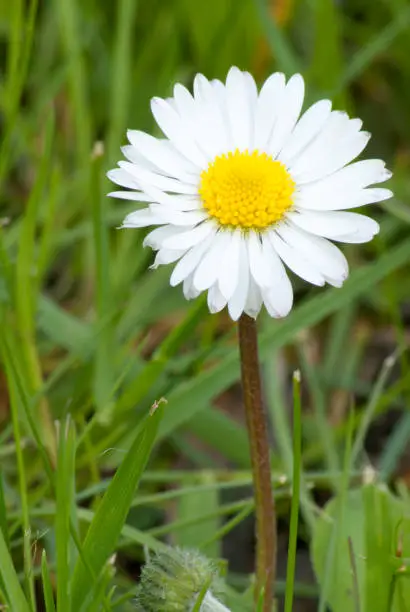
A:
[(243, 186)]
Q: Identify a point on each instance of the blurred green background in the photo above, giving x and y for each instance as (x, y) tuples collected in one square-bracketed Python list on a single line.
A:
[(88, 330)]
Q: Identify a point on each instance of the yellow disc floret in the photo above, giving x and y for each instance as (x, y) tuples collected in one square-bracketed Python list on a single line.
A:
[(248, 190)]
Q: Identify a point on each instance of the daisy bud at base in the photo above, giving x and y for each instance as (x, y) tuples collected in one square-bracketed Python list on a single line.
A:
[(172, 581)]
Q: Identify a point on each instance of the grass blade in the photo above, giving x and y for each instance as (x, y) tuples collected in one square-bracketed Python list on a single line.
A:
[(280, 47), (294, 512), (64, 490), (47, 586), (110, 516), (15, 595)]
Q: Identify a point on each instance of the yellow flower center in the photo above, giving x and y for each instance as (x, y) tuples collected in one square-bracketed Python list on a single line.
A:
[(248, 190)]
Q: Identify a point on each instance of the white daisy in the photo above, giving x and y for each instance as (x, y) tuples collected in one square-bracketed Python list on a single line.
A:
[(240, 186)]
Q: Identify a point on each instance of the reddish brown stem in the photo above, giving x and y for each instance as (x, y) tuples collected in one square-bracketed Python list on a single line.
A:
[(261, 470)]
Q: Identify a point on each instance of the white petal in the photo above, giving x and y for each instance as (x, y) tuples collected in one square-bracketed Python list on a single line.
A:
[(185, 104), (220, 91), (195, 118), (279, 300), (166, 256), (134, 156), (237, 302), (308, 126), (159, 181), (291, 105), (171, 201), (335, 224), (295, 261), (229, 265), (210, 117), (189, 290), (258, 264), (206, 273), (176, 217), (122, 178), (141, 218), (324, 255), (239, 110), (135, 196), (156, 238), (254, 299), (188, 263), (338, 197), (359, 174), (320, 147), (162, 155), (191, 237), (337, 144), (276, 267), (216, 301), (252, 91), (267, 108), (175, 129)]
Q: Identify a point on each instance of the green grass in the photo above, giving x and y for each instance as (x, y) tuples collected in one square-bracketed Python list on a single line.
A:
[(91, 338)]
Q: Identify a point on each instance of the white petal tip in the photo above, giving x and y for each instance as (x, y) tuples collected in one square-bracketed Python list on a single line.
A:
[(388, 193)]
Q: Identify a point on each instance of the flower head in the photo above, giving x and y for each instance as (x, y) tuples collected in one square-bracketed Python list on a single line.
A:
[(242, 186), (172, 581)]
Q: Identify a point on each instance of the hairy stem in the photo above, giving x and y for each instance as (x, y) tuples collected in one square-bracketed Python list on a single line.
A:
[(259, 448)]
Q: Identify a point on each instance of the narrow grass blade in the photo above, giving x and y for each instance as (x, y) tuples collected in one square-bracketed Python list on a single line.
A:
[(375, 47), (26, 293), (121, 74), (103, 371), (324, 430), (22, 479), (3, 512), (68, 13), (294, 512), (15, 595), (110, 516), (371, 406), (47, 586), (64, 490), (278, 42)]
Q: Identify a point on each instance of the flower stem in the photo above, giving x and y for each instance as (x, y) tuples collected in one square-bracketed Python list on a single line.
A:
[(259, 448)]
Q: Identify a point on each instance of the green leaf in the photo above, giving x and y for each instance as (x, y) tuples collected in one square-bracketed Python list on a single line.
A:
[(224, 435), (373, 521), (112, 512), (193, 504), (14, 593)]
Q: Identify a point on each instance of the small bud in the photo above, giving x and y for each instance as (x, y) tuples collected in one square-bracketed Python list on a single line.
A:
[(98, 150), (171, 581)]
